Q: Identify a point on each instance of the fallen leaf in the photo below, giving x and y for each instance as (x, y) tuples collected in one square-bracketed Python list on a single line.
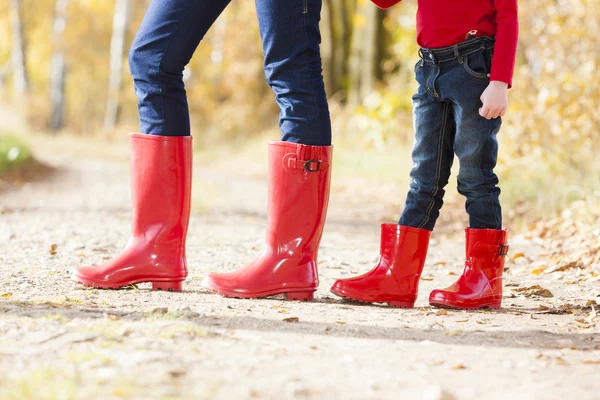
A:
[(340, 322), (441, 312), (52, 250), (441, 263), (537, 271), (177, 373), (453, 333), (451, 273), (463, 320), (561, 361), (291, 319), (518, 255), (592, 316), (459, 366), (542, 308), (7, 295), (111, 317), (427, 278), (590, 362), (283, 311), (160, 310), (535, 290)]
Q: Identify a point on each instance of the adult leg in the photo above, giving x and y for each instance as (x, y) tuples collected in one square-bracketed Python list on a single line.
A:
[(161, 158), (299, 165), (169, 35), (292, 60)]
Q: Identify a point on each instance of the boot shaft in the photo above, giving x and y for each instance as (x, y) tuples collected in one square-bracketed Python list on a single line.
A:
[(299, 185), (161, 178), (486, 250), (404, 249)]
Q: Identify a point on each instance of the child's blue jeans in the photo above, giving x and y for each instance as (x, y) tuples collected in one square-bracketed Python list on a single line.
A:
[(447, 122)]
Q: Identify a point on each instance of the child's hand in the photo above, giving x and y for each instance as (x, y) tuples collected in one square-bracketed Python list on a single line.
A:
[(495, 100)]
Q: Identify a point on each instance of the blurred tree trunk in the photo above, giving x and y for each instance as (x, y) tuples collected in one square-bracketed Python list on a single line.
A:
[(58, 67), (366, 51), (4, 71), (117, 49), (336, 30), (19, 67)]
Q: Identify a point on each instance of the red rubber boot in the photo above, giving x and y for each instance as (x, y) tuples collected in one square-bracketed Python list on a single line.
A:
[(161, 179), (395, 278), (480, 285), (299, 179)]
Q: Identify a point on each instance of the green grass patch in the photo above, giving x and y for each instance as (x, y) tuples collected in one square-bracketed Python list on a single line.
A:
[(13, 153)]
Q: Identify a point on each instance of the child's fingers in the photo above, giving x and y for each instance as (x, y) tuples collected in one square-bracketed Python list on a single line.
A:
[(497, 113), (485, 112), (503, 112)]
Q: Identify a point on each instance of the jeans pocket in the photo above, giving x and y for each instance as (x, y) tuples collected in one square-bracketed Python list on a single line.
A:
[(476, 65), (418, 65)]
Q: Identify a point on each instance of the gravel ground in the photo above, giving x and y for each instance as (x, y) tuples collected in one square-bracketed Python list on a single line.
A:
[(59, 340)]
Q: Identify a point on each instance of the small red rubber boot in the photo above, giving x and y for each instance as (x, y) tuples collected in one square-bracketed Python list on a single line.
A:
[(299, 179), (480, 285), (395, 278), (161, 179), (385, 4)]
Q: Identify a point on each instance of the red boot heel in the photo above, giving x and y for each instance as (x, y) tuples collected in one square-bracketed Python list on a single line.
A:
[(300, 296), (175, 286)]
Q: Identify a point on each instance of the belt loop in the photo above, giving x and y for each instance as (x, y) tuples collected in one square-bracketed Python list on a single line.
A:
[(457, 54), (431, 56)]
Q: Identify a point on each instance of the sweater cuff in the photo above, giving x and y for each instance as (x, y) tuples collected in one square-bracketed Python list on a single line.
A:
[(499, 76)]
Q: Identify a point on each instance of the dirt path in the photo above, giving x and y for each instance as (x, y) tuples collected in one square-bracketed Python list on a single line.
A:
[(61, 341)]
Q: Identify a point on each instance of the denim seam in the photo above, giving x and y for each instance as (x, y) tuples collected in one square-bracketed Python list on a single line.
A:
[(432, 67), (160, 70), (307, 68), (498, 222), (439, 165)]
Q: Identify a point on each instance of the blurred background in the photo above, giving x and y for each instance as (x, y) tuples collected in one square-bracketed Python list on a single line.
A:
[(64, 82)]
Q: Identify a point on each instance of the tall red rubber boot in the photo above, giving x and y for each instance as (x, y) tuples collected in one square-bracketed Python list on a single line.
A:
[(161, 179), (480, 285), (395, 278), (299, 180)]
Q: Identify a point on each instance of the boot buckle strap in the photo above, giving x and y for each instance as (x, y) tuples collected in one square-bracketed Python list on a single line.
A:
[(312, 165), (503, 250), (307, 165)]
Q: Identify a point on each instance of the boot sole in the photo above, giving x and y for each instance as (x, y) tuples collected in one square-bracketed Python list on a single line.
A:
[(393, 304), (164, 285), (290, 294), (494, 306)]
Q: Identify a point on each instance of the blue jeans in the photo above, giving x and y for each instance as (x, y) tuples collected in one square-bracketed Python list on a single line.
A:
[(171, 31), (447, 122)]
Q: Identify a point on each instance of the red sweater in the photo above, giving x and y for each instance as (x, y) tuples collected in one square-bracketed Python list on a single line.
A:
[(442, 23)]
